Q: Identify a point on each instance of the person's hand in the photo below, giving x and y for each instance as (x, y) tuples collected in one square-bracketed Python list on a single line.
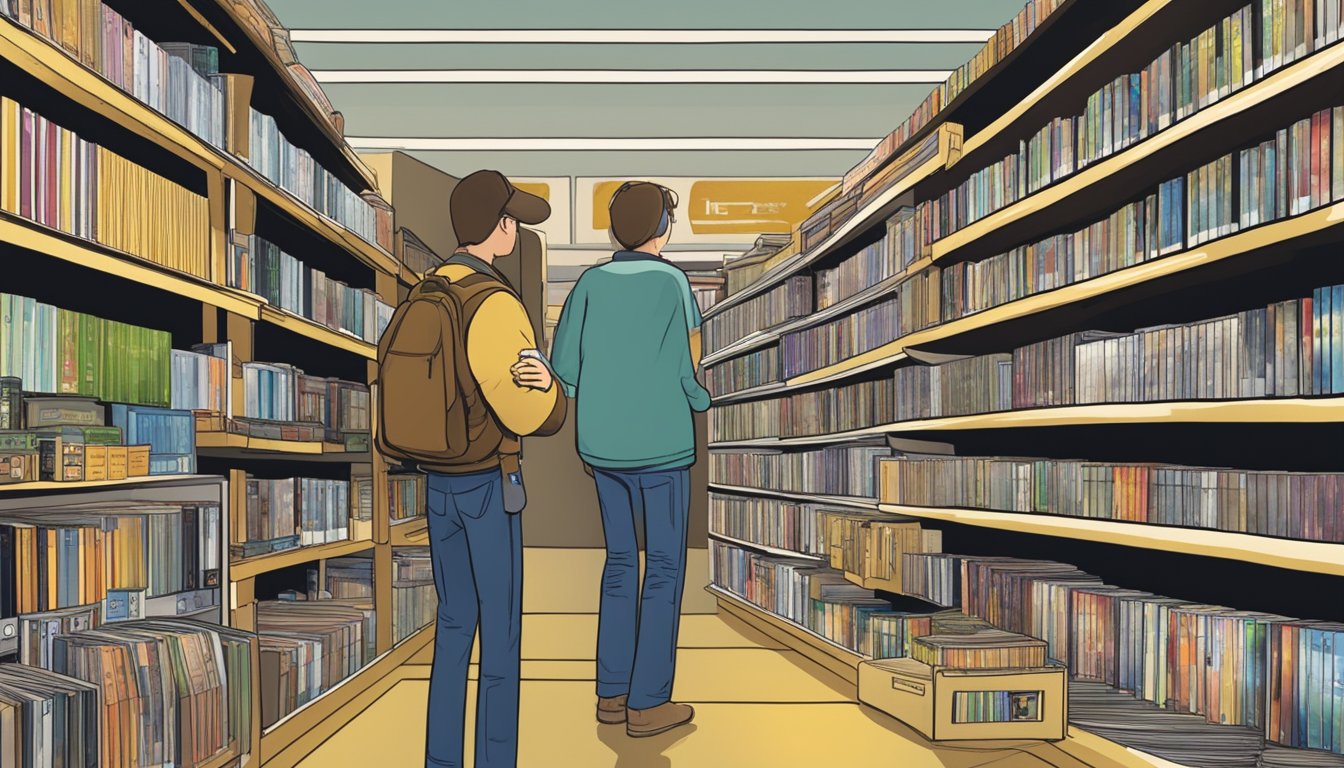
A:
[(532, 373)]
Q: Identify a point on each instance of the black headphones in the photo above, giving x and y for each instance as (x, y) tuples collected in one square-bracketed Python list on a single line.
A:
[(669, 215)]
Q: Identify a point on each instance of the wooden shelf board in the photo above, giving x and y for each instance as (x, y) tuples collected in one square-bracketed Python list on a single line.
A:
[(410, 533), (38, 238), (45, 61), (288, 741), (250, 567), (310, 329), (129, 482), (1287, 410), (773, 388), (1318, 64), (1245, 243), (208, 442), (1310, 556), (769, 550), (811, 498), (875, 211)]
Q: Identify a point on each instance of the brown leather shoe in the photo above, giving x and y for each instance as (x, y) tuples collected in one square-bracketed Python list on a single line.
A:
[(656, 720), (611, 710)]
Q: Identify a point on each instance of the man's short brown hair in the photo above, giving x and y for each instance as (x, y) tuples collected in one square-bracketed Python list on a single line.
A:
[(637, 211)]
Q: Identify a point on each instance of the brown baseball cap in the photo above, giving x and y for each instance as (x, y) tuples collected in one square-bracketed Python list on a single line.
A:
[(480, 200)]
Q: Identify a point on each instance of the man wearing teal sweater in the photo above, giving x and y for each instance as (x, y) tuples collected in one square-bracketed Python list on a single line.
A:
[(628, 345)]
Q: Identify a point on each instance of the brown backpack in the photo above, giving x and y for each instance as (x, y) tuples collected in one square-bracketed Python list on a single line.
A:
[(430, 410)]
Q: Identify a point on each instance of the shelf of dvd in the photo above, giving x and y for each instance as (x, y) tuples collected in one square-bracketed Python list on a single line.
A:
[(1132, 262)]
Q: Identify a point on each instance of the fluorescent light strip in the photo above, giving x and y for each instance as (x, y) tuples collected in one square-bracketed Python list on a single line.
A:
[(735, 144), (640, 36), (697, 76)]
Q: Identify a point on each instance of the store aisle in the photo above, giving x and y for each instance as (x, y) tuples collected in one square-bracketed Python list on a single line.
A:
[(757, 704)]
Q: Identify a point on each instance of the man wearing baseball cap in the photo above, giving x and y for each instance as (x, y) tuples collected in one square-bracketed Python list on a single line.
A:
[(474, 529)]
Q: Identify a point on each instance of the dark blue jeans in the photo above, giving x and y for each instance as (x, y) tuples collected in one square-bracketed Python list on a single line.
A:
[(477, 552), (637, 633)]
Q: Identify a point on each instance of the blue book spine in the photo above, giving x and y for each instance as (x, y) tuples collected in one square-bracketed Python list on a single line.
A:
[(1336, 348)]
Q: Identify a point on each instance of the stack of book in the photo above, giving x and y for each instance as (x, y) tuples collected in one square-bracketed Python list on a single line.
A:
[(281, 392), (49, 175), (839, 470), (286, 282), (1004, 42), (170, 435), (308, 647), (914, 306), (293, 512), (752, 370), (791, 299), (294, 170), (102, 553), (175, 78), (777, 523), (1295, 505), (985, 649), (406, 496), (415, 601), (348, 578), (1190, 76), (816, 598), (82, 354), (110, 696), (201, 379), (934, 577)]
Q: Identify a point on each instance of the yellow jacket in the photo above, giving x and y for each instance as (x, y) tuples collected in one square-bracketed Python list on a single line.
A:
[(498, 332)]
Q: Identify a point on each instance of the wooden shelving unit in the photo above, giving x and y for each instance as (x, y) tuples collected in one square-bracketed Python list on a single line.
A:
[(410, 533), (1287, 252), (231, 315)]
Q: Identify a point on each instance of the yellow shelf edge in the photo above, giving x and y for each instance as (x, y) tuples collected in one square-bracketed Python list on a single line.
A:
[(850, 501), (860, 220), (1315, 65), (109, 484), (410, 533), (83, 86), (231, 440), (1288, 410), (310, 329), (1309, 556), (36, 237), (251, 567)]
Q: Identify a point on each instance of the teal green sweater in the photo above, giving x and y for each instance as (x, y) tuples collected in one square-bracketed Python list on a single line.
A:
[(622, 347)]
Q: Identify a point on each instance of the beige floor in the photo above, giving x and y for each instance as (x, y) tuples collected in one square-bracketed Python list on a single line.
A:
[(757, 705)]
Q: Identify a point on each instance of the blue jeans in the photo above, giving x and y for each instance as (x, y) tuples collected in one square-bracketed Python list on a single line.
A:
[(637, 634), (477, 552)]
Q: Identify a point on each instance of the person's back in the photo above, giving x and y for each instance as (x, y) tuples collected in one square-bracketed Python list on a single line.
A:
[(627, 346), (637, 383)]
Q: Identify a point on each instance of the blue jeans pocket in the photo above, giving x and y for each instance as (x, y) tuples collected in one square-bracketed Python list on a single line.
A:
[(473, 502)]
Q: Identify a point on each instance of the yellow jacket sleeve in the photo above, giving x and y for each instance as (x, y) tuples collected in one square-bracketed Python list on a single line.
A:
[(499, 331)]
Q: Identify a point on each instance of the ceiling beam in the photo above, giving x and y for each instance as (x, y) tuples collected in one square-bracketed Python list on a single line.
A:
[(640, 76), (641, 36), (737, 144)]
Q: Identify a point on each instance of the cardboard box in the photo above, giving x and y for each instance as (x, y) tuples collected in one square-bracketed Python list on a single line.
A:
[(116, 462), (95, 462), (969, 704)]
